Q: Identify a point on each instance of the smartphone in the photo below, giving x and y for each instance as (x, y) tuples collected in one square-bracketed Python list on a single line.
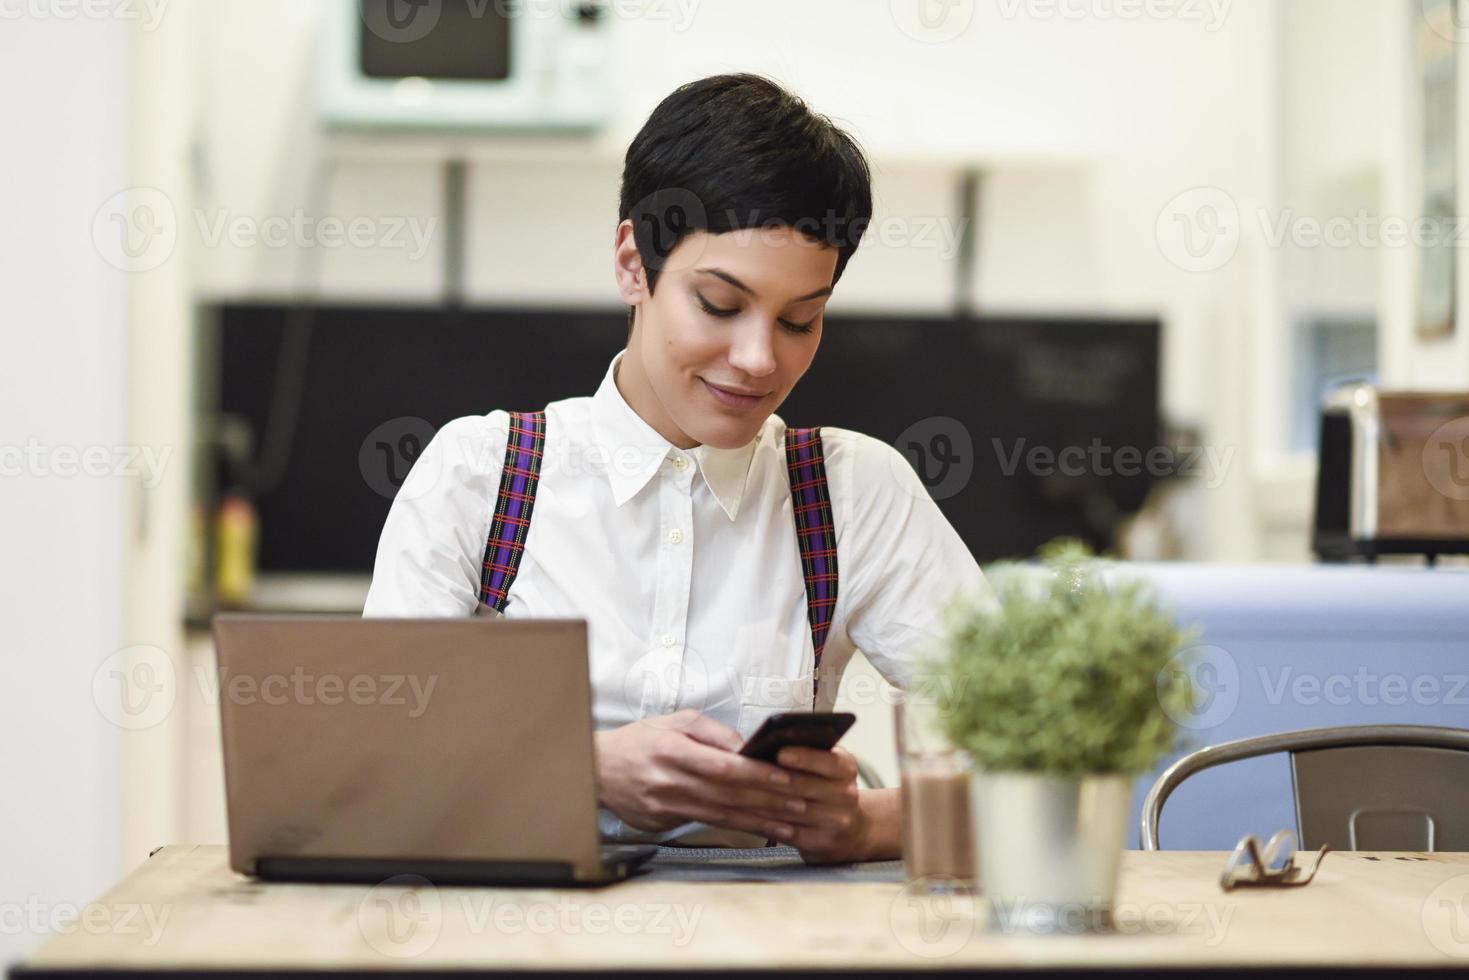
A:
[(813, 729)]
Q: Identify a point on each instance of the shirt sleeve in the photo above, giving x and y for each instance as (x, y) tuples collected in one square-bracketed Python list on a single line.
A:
[(432, 545), (901, 561)]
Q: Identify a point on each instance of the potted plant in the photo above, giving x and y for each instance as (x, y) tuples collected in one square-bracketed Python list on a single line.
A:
[(1060, 693)]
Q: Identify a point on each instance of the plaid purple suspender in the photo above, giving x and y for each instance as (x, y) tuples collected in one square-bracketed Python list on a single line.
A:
[(513, 505), (816, 535)]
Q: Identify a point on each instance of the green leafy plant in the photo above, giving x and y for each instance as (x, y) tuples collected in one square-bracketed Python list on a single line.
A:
[(1066, 673)]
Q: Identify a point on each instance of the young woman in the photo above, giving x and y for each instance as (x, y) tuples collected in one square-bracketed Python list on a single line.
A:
[(674, 511)]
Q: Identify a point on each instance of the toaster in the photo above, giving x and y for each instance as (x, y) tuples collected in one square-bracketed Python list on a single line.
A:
[(1393, 474)]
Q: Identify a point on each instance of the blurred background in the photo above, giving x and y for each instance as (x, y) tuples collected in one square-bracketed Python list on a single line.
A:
[(255, 254)]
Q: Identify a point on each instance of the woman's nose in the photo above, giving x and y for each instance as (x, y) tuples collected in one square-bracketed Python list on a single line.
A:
[(753, 353)]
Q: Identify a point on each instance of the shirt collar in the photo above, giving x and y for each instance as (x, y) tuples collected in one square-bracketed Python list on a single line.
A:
[(634, 450)]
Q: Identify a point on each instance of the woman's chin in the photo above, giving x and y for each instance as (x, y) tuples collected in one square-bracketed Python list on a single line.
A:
[(731, 434)]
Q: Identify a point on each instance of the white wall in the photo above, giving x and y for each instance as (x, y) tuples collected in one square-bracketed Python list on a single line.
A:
[(61, 341)]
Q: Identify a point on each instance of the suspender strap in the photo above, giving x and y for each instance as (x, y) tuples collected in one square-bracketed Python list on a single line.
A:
[(816, 535), (517, 496), (815, 532)]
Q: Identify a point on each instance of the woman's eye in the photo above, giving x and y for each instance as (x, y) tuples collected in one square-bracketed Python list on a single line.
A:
[(713, 310), (806, 327)]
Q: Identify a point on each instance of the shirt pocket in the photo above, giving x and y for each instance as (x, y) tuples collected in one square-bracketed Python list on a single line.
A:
[(763, 696)]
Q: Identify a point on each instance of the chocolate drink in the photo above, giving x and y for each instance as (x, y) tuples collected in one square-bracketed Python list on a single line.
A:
[(937, 837)]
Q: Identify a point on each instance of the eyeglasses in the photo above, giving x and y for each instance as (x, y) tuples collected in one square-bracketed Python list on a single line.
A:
[(1273, 865)]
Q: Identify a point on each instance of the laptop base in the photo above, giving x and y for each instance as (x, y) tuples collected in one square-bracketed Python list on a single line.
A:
[(618, 861)]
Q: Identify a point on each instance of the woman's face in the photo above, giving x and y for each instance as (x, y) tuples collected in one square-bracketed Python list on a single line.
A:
[(733, 314)]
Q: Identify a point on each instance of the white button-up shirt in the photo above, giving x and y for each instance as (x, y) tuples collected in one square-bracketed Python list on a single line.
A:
[(684, 563)]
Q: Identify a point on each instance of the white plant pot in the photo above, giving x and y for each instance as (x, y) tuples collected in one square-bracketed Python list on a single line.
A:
[(1048, 848)]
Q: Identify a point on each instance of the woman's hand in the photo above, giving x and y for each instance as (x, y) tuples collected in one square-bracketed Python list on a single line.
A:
[(660, 772), (840, 823)]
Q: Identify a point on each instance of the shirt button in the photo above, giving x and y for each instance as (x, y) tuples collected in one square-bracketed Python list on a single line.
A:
[(675, 536), (669, 639), (680, 462)]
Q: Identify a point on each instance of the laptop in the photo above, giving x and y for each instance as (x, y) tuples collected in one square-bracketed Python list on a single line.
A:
[(457, 750)]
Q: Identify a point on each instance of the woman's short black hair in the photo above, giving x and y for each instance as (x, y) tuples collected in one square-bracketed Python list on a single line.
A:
[(739, 151)]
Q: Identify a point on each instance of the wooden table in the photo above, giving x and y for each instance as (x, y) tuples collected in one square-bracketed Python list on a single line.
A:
[(184, 909)]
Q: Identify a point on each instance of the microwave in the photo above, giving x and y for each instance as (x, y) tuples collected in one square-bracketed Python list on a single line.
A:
[(465, 65), (1393, 474)]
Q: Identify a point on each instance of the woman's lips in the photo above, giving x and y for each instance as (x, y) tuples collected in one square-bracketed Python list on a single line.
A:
[(731, 399)]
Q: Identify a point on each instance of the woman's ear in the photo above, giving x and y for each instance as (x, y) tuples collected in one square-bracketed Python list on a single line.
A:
[(627, 267)]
